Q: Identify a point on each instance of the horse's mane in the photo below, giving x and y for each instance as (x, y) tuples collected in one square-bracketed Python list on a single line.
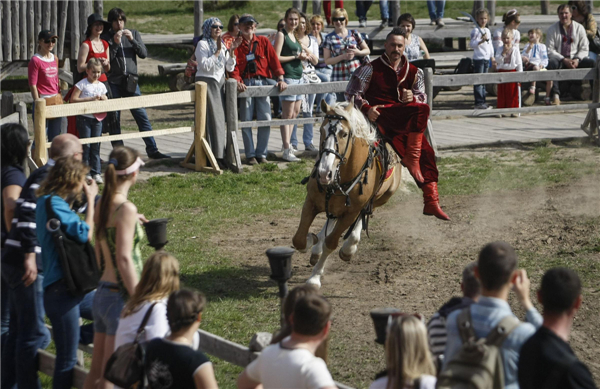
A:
[(359, 125)]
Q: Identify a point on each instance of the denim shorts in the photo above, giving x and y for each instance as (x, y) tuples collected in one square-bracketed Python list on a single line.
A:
[(291, 81), (108, 304)]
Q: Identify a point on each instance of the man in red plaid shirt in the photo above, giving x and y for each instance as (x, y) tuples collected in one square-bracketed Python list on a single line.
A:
[(391, 92)]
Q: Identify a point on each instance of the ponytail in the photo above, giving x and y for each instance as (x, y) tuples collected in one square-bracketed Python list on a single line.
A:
[(120, 159)]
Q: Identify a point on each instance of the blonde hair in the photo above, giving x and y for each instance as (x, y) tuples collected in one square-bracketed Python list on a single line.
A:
[(507, 31), (407, 352), (93, 63), (317, 19), (64, 178), (160, 278), (538, 32), (338, 13), (481, 11)]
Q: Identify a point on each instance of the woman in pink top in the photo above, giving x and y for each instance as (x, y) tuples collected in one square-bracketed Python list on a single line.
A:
[(43, 78)]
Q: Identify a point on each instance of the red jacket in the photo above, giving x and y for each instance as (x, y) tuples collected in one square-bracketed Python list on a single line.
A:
[(267, 62)]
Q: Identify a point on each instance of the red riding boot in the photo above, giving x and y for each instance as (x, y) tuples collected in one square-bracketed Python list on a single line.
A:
[(412, 155), (431, 200)]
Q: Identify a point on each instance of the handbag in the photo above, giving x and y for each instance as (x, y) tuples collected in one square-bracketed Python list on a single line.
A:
[(77, 260), (125, 367), (57, 99), (310, 76), (130, 82), (190, 71)]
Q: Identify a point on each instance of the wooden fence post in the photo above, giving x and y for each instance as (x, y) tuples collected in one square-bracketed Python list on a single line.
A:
[(395, 11), (31, 37), (1, 31), (74, 12), (429, 87), (46, 15), (545, 5), (21, 108), (198, 17), (40, 154), (200, 124), (477, 4), (99, 7), (232, 153), (7, 106), (316, 7), (62, 28), (491, 7), (16, 37), (23, 30)]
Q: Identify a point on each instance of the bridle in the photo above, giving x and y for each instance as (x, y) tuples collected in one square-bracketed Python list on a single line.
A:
[(332, 132)]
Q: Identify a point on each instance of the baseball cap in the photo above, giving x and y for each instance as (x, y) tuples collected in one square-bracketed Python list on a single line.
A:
[(46, 35), (247, 19)]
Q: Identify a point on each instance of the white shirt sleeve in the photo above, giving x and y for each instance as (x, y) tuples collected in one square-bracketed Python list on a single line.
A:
[(205, 59), (253, 370), (316, 375), (231, 61), (102, 88)]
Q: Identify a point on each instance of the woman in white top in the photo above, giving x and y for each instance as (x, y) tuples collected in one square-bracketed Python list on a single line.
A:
[(413, 43), (409, 363), (160, 278), (213, 59), (311, 48), (511, 20)]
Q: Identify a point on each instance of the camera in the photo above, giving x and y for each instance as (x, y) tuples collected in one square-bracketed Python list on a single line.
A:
[(251, 67)]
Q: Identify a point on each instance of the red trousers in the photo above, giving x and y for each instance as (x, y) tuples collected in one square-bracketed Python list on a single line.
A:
[(327, 8), (509, 94), (396, 121)]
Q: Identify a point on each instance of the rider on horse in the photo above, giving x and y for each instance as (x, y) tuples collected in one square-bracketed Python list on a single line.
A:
[(391, 92)]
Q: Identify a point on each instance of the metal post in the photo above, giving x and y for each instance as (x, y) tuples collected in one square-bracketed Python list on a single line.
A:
[(198, 17), (491, 7), (545, 5)]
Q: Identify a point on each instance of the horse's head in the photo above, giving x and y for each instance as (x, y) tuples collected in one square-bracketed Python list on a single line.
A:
[(336, 140)]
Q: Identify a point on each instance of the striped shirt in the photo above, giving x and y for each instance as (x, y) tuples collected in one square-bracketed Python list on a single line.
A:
[(436, 327)]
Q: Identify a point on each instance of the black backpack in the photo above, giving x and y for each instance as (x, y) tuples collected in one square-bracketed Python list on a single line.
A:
[(465, 66), (77, 260)]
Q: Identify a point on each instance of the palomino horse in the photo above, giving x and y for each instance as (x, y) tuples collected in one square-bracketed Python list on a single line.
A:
[(348, 181)]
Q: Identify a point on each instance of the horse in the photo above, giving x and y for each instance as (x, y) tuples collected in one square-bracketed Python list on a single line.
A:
[(351, 177)]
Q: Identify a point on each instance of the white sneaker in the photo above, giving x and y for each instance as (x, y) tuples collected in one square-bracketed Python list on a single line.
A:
[(98, 179), (362, 23), (288, 155), (292, 147)]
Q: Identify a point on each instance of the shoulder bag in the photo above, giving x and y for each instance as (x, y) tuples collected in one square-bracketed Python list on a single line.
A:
[(125, 367), (77, 260)]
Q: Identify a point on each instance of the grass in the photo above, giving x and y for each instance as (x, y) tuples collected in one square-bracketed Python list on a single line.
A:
[(242, 299), (177, 17)]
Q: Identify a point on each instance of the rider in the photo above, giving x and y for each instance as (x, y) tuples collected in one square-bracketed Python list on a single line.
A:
[(391, 92)]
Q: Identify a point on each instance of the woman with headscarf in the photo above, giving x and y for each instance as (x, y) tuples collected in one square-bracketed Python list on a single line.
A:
[(213, 59)]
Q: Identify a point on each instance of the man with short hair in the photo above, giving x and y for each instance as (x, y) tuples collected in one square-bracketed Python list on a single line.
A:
[(291, 363), (256, 62), (498, 273), (547, 361), (391, 93), (125, 46), (436, 328), (22, 271), (568, 48)]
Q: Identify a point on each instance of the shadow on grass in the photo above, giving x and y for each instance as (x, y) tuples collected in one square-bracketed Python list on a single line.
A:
[(239, 283)]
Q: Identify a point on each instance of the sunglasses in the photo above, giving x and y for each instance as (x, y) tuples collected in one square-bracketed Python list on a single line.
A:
[(338, 19), (574, 7), (236, 24), (216, 26), (53, 40)]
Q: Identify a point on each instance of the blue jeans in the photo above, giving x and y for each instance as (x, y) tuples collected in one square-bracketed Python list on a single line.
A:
[(27, 334), (480, 66), (62, 309), (53, 126), (262, 105), (436, 9), (362, 7), (108, 304), (86, 331), (90, 128), (307, 134), (139, 114), (325, 76), (384, 9)]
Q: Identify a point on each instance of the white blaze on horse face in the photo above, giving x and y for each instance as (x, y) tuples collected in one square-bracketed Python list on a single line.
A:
[(327, 159)]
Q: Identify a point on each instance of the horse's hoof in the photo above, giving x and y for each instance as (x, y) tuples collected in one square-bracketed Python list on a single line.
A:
[(314, 281), (314, 258), (344, 257)]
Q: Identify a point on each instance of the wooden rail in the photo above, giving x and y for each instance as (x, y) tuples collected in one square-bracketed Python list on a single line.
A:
[(200, 147)]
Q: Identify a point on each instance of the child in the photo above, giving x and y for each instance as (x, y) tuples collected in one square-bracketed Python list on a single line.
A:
[(511, 20), (535, 57), (483, 51), (508, 59), (90, 89)]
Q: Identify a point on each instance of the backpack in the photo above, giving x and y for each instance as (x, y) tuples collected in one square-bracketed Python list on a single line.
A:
[(478, 364), (465, 66)]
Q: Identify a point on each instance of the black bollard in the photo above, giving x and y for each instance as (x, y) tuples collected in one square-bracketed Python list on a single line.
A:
[(280, 261), (156, 231), (381, 319)]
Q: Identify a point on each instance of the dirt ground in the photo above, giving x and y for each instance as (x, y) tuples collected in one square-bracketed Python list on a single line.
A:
[(413, 262)]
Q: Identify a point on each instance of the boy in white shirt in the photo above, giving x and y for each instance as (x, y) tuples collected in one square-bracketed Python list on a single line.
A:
[(292, 364), (483, 52), (535, 57)]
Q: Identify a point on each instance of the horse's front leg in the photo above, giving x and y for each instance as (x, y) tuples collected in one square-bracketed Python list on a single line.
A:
[(351, 244), (302, 241), (317, 249), (330, 244)]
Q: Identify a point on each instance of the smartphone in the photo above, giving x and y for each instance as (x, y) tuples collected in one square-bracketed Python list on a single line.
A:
[(239, 33)]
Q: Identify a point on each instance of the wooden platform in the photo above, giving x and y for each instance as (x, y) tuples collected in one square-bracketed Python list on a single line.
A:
[(449, 133)]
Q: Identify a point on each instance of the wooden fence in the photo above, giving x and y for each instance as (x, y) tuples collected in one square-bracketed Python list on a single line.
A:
[(200, 147)]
